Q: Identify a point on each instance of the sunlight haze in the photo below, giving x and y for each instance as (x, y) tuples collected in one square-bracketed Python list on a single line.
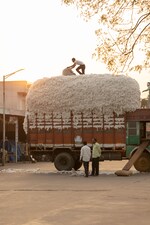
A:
[(42, 37)]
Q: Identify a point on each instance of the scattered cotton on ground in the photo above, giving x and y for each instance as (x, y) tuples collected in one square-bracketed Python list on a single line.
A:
[(69, 173)]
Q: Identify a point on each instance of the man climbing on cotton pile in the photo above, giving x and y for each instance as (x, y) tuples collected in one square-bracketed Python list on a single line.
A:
[(81, 66)]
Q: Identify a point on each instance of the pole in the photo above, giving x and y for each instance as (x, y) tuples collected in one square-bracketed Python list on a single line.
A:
[(16, 138), (3, 153)]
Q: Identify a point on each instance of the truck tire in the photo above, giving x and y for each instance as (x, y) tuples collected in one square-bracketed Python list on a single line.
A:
[(77, 165), (64, 161), (143, 163)]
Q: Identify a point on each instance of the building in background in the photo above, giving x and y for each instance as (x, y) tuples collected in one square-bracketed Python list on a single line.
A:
[(15, 94)]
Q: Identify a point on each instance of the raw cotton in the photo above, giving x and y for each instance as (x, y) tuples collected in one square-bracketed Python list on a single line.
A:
[(97, 94)]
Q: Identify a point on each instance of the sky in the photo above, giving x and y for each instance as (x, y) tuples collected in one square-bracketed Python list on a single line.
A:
[(41, 36)]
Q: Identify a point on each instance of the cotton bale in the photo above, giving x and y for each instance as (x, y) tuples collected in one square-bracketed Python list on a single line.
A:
[(101, 94), (68, 72), (123, 173)]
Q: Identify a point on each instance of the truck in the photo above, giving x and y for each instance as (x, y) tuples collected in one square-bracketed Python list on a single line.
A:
[(60, 141), (62, 112)]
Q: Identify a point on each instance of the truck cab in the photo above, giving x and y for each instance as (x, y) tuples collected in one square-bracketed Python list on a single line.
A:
[(137, 131)]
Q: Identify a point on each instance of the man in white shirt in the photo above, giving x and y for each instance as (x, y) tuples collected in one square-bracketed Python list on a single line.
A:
[(81, 66), (85, 156)]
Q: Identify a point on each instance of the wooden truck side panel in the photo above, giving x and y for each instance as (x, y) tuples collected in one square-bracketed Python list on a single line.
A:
[(56, 131), (138, 115)]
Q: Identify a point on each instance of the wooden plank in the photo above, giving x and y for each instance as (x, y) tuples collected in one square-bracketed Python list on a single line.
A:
[(136, 155)]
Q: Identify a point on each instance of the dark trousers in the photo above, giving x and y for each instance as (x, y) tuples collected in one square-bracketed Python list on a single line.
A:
[(82, 68), (95, 166), (86, 168)]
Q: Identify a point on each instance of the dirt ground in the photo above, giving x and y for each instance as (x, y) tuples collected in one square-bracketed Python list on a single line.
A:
[(37, 194)]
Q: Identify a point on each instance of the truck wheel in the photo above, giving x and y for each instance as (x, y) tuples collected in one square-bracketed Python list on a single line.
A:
[(143, 163), (64, 161), (77, 165)]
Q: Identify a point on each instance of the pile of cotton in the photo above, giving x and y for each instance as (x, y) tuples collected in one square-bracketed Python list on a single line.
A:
[(101, 94)]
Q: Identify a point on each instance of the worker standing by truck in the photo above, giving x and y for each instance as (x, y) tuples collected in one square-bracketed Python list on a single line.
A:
[(85, 156), (148, 89), (96, 153)]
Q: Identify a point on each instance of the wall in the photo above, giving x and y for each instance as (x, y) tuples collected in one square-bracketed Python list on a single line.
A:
[(15, 93)]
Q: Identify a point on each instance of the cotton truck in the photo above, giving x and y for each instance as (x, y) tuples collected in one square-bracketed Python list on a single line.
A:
[(63, 111)]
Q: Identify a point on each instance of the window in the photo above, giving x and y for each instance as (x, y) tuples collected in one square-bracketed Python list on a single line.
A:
[(132, 128)]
